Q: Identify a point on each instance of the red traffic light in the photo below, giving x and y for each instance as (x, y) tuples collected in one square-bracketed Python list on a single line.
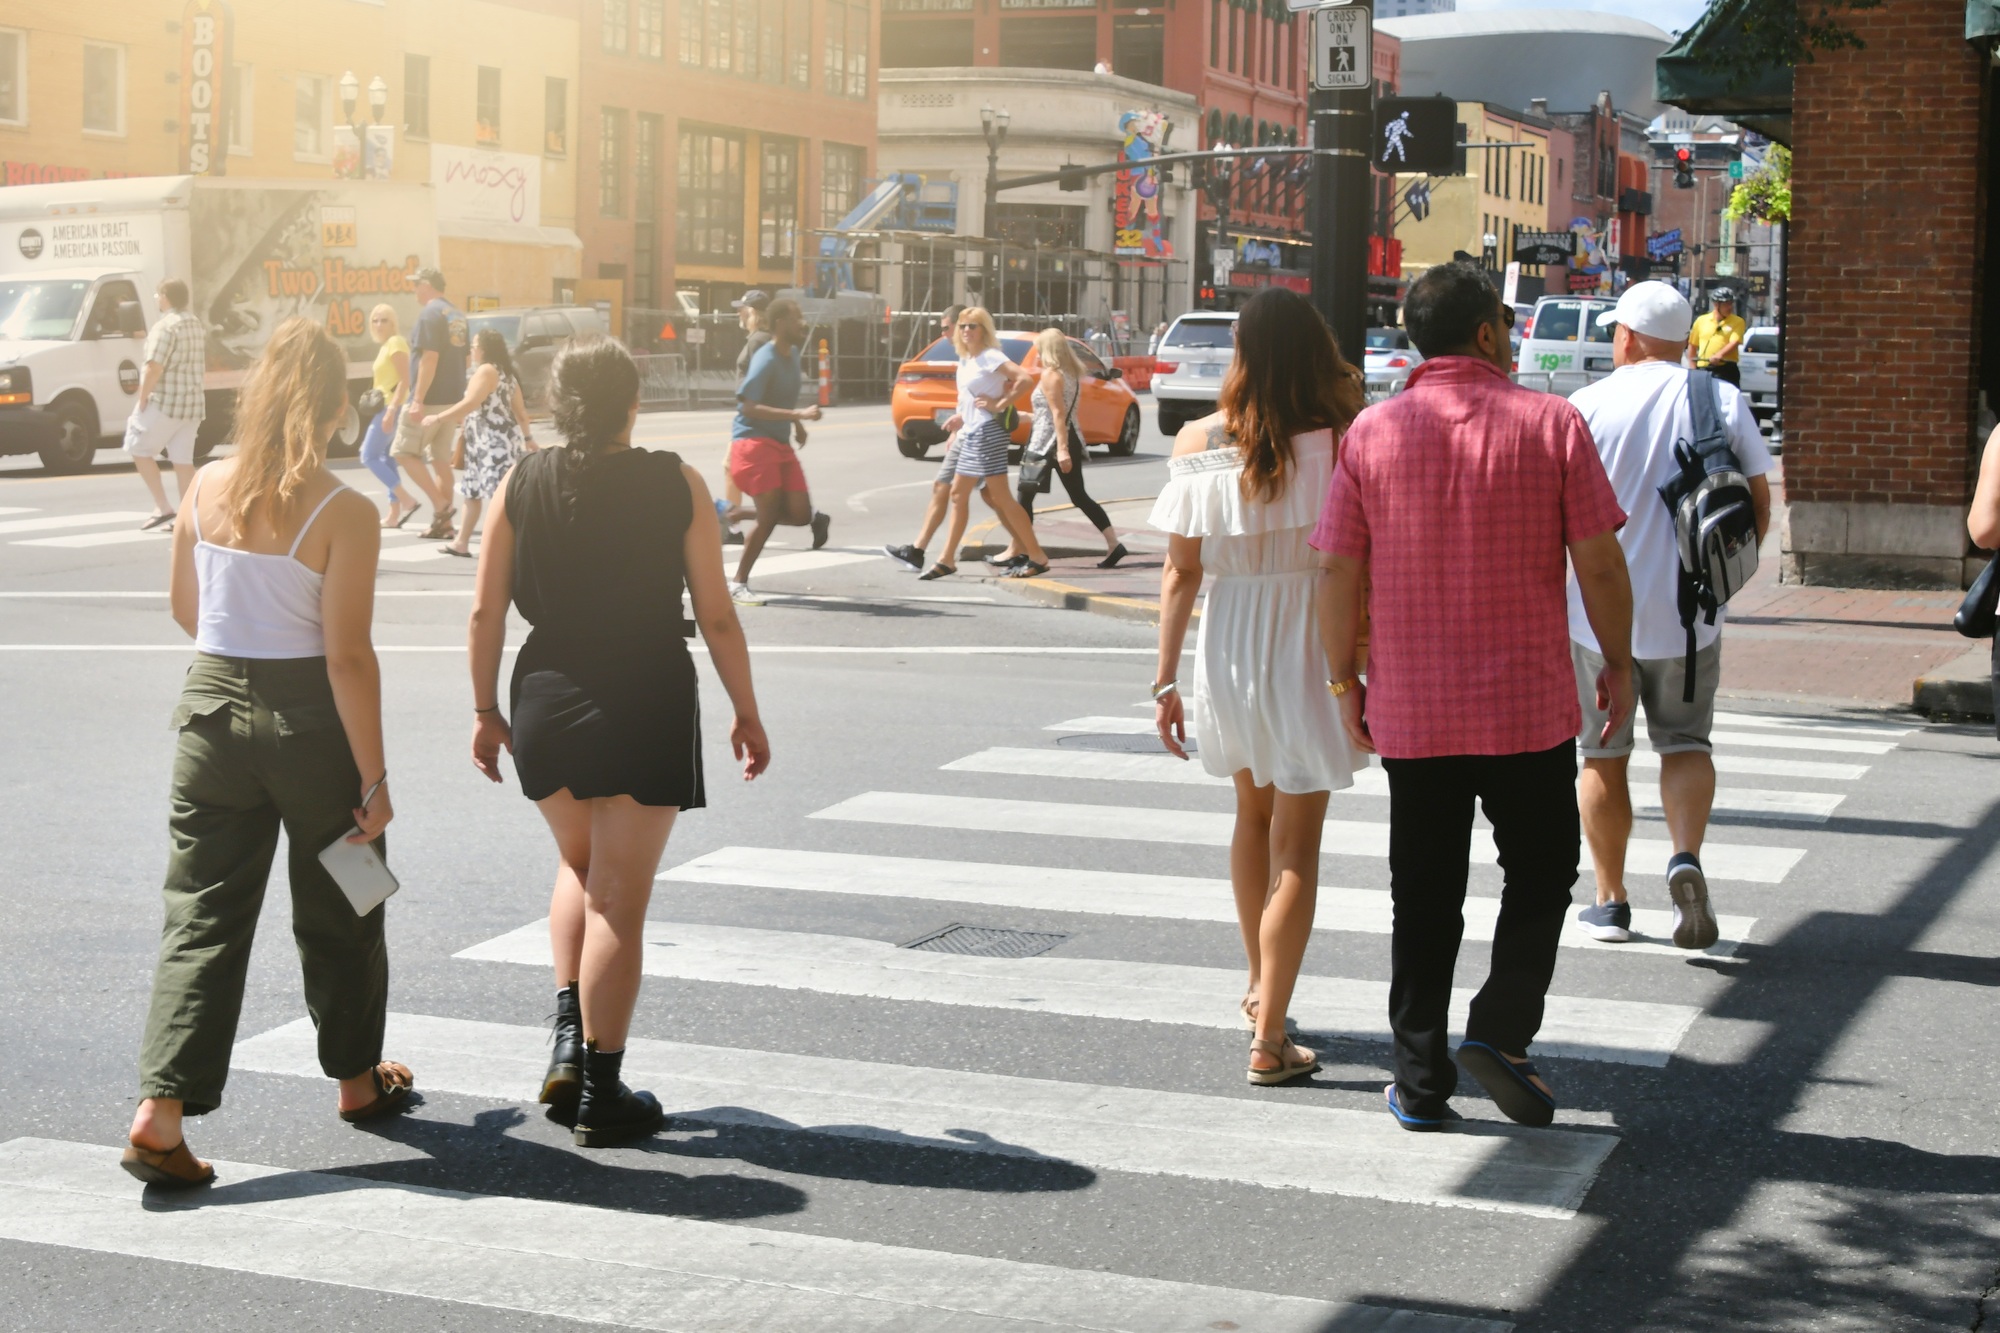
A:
[(1684, 156)]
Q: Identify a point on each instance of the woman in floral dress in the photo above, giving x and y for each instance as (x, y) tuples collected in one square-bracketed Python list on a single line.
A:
[(496, 430)]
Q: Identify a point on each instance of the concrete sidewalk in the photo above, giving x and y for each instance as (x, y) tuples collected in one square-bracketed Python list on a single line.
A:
[(1856, 646)]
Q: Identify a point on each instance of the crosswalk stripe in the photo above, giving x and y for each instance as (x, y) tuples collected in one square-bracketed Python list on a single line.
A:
[(1343, 837), (1783, 740), (413, 555), (57, 522), (117, 538), (1884, 729), (1110, 766), (1619, 1031), (1143, 726), (621, 1267), (1077, 1125), (1111, 893), (1761, 766), (799, 562), (17, 509)]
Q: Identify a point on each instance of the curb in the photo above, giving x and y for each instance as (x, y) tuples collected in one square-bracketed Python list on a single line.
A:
[(1962, 687), (1069, 597)]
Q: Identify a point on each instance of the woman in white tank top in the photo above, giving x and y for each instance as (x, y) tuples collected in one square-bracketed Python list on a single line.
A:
[(280, 723)]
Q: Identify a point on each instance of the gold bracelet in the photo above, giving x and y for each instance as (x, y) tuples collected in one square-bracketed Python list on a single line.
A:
[(1340, 687)]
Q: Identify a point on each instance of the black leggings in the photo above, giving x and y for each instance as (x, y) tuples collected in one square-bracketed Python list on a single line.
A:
[(1072, 481)]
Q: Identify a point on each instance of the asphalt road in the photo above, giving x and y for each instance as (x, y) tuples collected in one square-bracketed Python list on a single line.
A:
[(1793, 1132)]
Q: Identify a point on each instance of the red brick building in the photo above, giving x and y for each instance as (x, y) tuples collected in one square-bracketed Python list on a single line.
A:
[(713, 137), (1891, 361), (1245, 61)]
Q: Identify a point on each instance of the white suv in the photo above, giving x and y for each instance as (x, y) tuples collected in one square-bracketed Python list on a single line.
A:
[(1188, 368), (1758, 365)]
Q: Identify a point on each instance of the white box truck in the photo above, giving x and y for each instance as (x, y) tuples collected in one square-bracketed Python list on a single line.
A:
[(80, 260)]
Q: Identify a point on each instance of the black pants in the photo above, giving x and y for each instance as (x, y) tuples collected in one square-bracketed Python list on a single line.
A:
[(1531, 801), (1072, 481), (1729, 372)]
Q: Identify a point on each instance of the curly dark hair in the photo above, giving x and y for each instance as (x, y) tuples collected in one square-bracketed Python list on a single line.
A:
[(593, 385)]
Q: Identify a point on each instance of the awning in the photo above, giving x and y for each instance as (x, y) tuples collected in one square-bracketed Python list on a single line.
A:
[(1982, 19), (512, 233), (1762, 101)]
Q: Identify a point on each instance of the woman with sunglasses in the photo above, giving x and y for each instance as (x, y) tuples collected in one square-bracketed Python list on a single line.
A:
[(988, 383), (392, 375)]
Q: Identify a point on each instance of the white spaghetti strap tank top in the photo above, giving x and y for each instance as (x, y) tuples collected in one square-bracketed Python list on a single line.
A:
[(257, 605)]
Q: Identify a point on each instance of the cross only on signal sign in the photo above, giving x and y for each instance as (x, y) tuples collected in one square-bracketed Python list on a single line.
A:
[(1343, 47)]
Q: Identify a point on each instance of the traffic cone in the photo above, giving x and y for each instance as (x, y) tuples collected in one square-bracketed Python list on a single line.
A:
[(825, 377)]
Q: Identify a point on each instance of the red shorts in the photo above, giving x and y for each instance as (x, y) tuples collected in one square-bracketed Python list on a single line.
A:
[(758, 465)]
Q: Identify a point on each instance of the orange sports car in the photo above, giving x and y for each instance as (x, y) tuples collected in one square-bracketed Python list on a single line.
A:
[(926, 395)]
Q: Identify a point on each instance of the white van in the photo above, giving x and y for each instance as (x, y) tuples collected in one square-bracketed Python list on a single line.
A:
[(1564, 349)]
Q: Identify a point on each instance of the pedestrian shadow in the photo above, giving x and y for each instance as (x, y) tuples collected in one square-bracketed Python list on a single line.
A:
[(485, 1158), (965, 1159), (885, 609)]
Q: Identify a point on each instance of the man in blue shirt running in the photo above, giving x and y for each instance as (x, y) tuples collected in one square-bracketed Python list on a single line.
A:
[(763, 466)]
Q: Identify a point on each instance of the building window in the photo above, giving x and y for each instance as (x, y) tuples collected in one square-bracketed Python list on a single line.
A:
[(771, 40), (857, 50), (719, 51), (555, 117), (309, 116), (778, 203), (652, 29), (746, 37), (417, 96), (842, 167), (649, 131), (836, 48), (103, 88), (798, 43), (611, 162), (486, 114), (708, 206), (616, 25), (13, 77), (241, 104)]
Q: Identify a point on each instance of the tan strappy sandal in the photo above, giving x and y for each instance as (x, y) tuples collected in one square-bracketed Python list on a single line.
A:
[(393, 1085), (1293, 1061), (1249, 1007)]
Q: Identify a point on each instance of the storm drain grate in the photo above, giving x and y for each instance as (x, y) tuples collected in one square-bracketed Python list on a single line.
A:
[(988, 941)]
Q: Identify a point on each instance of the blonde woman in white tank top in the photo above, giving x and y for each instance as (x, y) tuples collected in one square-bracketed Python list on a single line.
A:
[(280, 726)]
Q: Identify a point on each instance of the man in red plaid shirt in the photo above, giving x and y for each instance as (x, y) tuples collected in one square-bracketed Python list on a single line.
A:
[(1462, 501)]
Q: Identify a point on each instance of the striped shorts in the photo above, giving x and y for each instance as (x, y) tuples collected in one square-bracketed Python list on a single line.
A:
[(980, 452)]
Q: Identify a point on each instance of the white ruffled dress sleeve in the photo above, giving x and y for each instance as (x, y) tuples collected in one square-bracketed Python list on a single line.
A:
[(1203, 496)]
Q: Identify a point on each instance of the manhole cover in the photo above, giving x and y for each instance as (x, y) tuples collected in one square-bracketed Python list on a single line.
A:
[(988, 941)]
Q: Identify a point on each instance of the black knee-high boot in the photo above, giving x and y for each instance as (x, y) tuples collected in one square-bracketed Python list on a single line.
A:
[(611, 1113)]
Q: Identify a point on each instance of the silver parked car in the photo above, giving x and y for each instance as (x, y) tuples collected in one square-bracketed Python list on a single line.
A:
[(1188, 368), (1391, 357), (1758, 363)]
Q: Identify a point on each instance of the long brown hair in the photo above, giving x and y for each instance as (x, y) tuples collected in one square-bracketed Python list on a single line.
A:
[(1288, 378), (297, 388)]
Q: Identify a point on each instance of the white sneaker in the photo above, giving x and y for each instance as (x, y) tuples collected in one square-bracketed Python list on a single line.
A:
[(740, 594)]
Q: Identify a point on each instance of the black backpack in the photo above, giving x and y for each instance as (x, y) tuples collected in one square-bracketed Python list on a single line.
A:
[(1715, 525)]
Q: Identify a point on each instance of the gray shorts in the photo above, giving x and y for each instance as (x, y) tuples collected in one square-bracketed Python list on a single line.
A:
[(1672, 725)]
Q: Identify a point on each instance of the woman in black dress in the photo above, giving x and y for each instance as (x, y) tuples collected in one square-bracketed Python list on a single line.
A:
[(594, 543)]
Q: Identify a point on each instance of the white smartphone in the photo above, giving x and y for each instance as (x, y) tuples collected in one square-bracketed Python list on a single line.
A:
[(359, 871)]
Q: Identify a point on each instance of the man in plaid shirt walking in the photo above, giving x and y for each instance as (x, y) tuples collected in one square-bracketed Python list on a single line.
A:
[(171, 404)]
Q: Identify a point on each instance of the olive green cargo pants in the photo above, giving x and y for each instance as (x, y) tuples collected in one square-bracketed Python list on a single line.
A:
[(261, 746)]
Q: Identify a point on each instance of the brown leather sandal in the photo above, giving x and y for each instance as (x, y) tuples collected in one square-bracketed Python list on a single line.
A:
[(1249, 1008), (1293, 1060), (393, 1084), (174, 1169)]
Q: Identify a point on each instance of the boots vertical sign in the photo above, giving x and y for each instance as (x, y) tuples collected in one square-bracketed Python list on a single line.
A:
[(207, 29)]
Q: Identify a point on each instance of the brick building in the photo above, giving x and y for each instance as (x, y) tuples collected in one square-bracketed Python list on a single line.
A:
[(1891, 360), (712, 138)]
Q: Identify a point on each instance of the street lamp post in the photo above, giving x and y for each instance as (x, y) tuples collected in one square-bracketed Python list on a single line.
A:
[(1491, 257), (350, 105), (993, 124), (1219, 184)]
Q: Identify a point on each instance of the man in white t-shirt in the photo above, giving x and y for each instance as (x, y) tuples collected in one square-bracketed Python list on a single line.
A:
[(1636, 414)]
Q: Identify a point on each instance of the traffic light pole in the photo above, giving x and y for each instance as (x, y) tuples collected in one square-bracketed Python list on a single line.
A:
[(1343, 125)]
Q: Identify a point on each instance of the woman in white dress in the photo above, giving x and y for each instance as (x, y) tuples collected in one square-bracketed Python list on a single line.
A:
[(1244, 489)]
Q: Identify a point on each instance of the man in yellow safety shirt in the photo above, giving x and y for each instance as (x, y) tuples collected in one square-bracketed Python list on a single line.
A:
[(1717, 339)]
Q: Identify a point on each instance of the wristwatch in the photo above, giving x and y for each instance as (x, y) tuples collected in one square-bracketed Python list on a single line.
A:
[(1340, 687)]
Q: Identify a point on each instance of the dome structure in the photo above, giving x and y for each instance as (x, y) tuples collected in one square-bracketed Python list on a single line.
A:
[(1511, 57)]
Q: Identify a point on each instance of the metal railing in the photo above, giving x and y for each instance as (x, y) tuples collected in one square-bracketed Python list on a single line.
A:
[(663, 380)]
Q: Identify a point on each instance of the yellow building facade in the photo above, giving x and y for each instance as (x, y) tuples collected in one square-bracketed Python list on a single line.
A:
[(477, 98), (1503, 192)]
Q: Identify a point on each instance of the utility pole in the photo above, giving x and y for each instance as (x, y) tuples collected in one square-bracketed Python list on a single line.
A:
[(1343, 128), (992, 124)]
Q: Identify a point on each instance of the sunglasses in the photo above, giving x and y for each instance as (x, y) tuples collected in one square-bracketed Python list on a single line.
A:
[(1508, 314), (963, 327)]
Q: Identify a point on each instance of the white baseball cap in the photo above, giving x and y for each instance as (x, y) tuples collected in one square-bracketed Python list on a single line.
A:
[(1655, 309)]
